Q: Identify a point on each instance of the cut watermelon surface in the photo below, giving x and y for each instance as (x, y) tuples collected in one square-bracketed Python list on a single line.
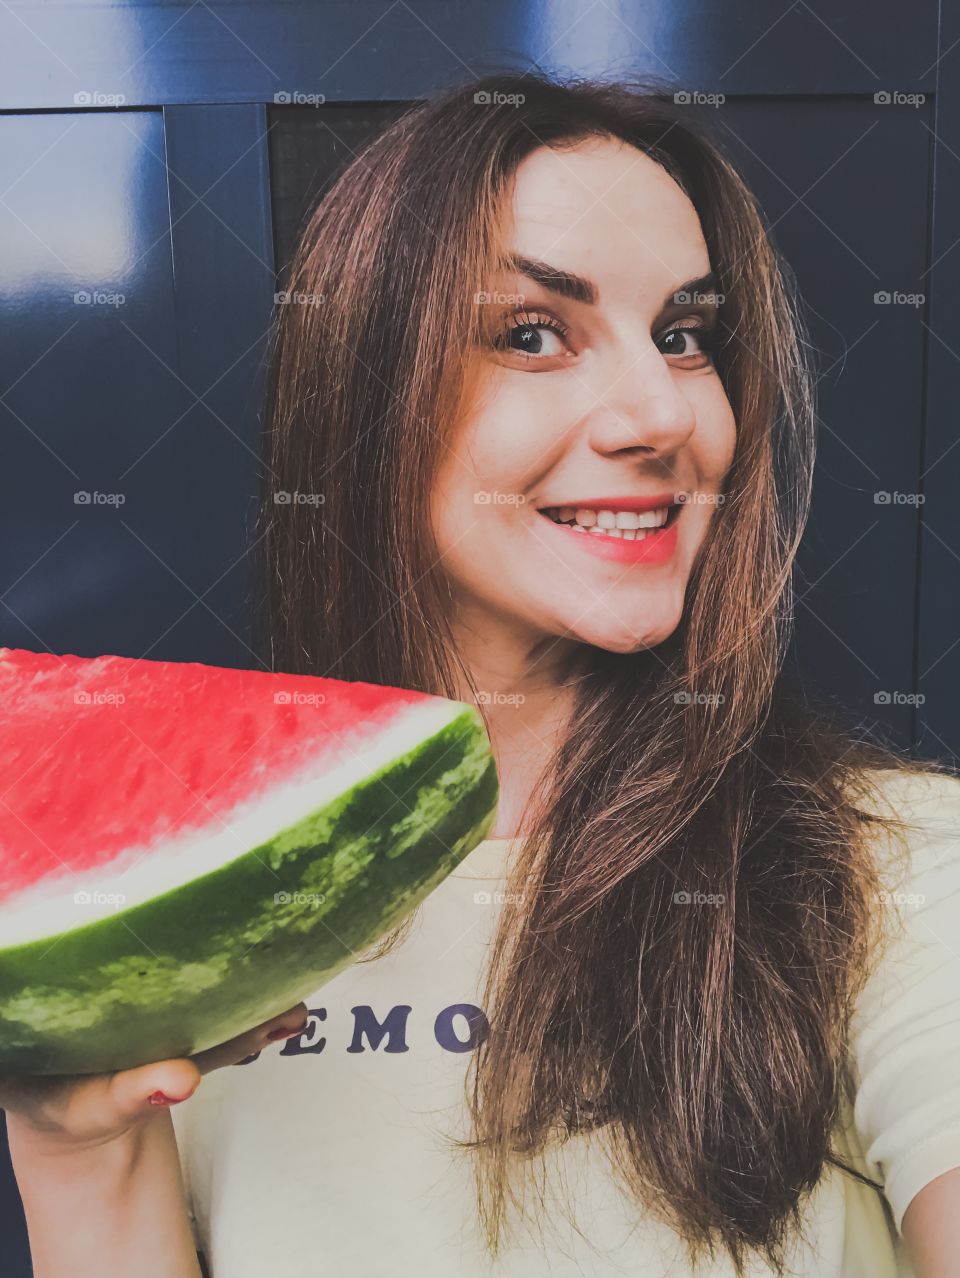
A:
[(185, 850)]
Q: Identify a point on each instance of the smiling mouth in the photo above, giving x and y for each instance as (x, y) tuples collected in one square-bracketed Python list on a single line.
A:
[(625, 525)]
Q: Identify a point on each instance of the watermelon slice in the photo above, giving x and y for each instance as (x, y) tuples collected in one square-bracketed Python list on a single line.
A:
[(186, 850)]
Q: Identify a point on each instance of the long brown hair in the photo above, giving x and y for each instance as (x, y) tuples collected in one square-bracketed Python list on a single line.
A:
[(704, 1043)]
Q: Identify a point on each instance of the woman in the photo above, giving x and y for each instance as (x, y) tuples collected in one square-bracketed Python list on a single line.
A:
[(545, 384)]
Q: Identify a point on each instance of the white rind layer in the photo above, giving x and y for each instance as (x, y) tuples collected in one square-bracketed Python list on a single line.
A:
[(73, 900)]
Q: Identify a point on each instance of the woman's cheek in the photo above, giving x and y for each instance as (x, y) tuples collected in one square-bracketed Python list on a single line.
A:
[(505, 450)]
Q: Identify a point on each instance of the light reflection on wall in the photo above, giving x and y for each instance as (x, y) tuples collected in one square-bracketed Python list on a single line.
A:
[(69, 216), (608, 39)]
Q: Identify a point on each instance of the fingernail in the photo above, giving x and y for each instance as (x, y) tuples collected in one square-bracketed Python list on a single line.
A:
[(161, 1098), (285, 1033)]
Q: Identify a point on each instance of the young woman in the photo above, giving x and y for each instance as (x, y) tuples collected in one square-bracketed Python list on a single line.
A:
[(692, 1008)]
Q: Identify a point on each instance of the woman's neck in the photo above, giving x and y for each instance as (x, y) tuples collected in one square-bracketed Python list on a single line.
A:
[(526, 702)]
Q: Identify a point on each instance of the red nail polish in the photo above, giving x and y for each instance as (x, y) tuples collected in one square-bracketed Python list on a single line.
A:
[(161, 1098), (285, 1033)]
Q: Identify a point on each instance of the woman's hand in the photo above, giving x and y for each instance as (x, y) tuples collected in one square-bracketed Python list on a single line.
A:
[(79, 1111), (96, 1160), (85, 1110)]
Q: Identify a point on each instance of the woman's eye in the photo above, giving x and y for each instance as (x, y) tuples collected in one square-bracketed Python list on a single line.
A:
[(533, 337), (686, 343)]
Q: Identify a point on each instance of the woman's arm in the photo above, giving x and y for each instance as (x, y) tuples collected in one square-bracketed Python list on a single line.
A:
[(116, 1207), (931, 1228)]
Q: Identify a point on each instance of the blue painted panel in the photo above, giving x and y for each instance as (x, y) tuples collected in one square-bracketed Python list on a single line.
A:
[(143, 397), (88, 366), (160, 52), (938, 639), (14, 1245), (223, 299), (853, 225)]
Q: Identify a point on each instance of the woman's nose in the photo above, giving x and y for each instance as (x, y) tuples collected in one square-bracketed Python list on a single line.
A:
[(641, 407)]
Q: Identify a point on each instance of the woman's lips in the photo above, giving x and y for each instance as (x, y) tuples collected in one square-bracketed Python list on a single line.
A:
[(656, 548)]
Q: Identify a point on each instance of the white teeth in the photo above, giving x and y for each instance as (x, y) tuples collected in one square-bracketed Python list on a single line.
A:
[(630, 525), (653, 518), (608, 520), (627, 534)]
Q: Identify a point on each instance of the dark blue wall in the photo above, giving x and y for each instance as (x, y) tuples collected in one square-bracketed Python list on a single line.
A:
[(138, 224)]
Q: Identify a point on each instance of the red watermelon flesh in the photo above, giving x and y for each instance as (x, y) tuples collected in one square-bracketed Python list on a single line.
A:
[(185, 850)]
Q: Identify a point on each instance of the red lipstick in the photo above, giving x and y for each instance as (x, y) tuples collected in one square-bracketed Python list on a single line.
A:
[(655, 547)]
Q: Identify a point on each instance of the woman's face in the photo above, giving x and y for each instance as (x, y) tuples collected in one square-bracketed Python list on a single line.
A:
[(600, 394)]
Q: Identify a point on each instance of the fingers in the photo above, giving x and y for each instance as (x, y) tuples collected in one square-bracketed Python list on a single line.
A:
[(133, 1092), (61, 1113), (288, 1023), (100, 1106)]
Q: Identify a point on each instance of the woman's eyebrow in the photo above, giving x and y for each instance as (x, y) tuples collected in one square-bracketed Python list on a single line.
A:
[(565, 283), (579, 289)]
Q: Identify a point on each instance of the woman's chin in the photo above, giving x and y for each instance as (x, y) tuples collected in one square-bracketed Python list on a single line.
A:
[(618, 638)]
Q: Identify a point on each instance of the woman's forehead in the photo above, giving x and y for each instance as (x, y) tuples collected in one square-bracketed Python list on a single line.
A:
[(605, 210)]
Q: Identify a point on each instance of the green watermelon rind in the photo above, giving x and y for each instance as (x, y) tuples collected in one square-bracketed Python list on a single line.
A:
[(214, 957)]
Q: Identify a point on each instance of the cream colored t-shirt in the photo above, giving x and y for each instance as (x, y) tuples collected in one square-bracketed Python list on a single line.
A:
[(325, 1155)]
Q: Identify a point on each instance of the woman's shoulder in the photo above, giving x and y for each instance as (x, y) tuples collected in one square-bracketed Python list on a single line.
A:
[(915, 895), (904, 1043), (918, 830), (913, 787)]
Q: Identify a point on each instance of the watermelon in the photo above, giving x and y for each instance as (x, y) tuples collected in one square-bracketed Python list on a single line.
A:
[(185, 851)]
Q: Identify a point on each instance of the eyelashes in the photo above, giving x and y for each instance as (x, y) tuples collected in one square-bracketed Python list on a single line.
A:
[(532, 329), (530, 322), (705, 333)]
